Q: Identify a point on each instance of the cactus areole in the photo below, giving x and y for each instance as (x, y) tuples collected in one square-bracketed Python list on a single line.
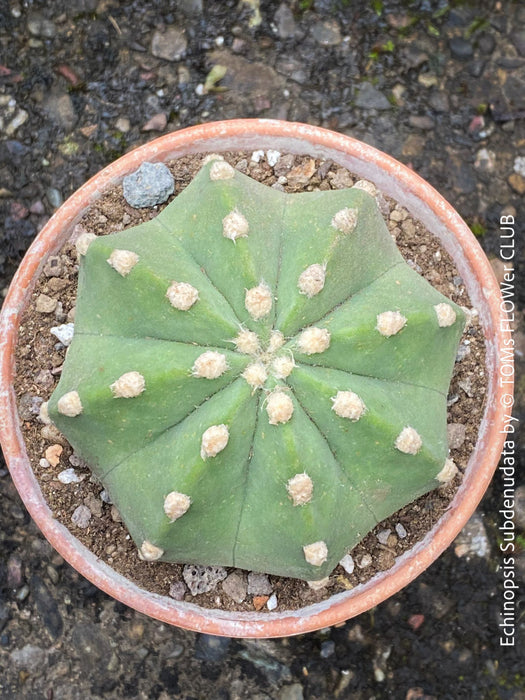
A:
[(257, 378)]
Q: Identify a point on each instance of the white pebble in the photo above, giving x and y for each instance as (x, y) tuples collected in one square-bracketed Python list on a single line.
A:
[(257, 156), (401, 532), (69, 476), (64, 333), (44, 463), (366, 560), (272, 157), (272, 602), (347, 563)]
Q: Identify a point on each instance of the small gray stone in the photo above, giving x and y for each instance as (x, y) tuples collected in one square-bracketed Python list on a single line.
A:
[(401, 531), (191, 7), (81, 517), (151, 184), (370, 97), (69, 476), (177, 590), (45, 304), (235, 586), (29, 658), (292, 692), (202, 579), (210, 648), (460, 48), (54, 197), (327, 33), (59, 108), (284, 21), (327, 649), (170, 45), (383, 536), (456, 435), (259, 584)]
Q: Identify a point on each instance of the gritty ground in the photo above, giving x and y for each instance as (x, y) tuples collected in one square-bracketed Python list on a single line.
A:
[(438, 85)]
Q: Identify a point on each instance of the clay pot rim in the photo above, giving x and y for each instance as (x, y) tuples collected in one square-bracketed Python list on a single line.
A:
[(341, 606)]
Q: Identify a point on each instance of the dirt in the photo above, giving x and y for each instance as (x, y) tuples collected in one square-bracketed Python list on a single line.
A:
[(40, 357)]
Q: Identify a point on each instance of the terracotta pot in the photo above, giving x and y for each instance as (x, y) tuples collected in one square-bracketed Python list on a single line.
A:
[(425, 204)]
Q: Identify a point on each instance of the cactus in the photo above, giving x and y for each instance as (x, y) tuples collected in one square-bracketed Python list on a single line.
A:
[(257, 378)]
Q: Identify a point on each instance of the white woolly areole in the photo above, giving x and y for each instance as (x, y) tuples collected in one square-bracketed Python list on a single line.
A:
[(210, 365), (128, 386), (348, 404), (83, 242), (235, 225), (255, 374), (43, 414), (313, 340), (214, 440), (69, 404), (276, 341), (211, 157), (408, 441), (311, 281), (390, 322), (247, 342), (221, 170), (182, 295), (345, 220), (123, 261), (283, 366), (300, 488), (448, 472), (279, 407), (258, 301), (150, 552), (446, 315), (316, 553), (176, 504), (367, 186)]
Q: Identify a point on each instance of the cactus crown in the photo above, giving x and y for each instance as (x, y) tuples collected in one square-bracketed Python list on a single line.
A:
[(257, 378)]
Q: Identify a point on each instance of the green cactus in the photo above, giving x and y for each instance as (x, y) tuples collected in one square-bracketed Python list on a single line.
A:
[(257, 378)]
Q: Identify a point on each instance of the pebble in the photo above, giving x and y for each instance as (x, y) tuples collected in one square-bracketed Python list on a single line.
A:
[(105, 497), (291, 692), (271, 603), (157, 123), (472, 540), (64, 333), (383, 536), (456, 435), (423, 122), (369, 97), (519, 165), (123, 124), (259, 584), (485, 161), (460, 48), (16, 122), (327, 649), (284, 21), (170, 45), (202, 579), (272, 157), (115, 515), (257, 156), (211, 648), (30, 657), (69, 476), (54, 197), (81, 517), (327, 33), (151, 184), (177, 590), (366, 560), (60, 109), (235, 586), (45, 304), (347, 563), (14, 571), (517, 182), (401, 531), (44, 463), (52, 454)]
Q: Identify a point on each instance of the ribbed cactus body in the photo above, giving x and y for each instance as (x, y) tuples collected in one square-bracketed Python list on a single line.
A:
[(257, 378)]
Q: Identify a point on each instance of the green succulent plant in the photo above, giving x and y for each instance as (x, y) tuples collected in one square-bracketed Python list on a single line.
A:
[(257, 378)]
